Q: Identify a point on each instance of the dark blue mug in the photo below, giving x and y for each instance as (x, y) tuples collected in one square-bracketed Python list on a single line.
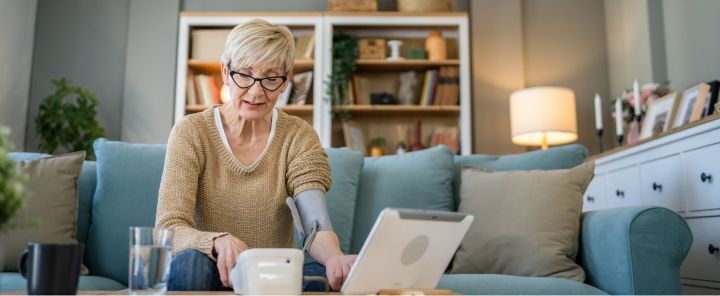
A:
[(51, 268)]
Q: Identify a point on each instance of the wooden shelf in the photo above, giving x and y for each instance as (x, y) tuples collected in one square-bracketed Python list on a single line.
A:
[(402, 110), (402, 65), (290, 109), (212, 67)]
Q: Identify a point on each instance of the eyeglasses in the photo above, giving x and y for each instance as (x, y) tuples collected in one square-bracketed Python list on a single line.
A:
[(271, 83)]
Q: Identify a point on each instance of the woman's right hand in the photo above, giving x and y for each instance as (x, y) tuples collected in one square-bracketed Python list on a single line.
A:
[(227, 248)]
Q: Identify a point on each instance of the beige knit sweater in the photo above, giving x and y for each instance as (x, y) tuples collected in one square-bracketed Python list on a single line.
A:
[(206, 192)]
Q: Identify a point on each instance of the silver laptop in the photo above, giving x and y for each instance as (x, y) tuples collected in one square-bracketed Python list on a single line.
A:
[(406, 249)]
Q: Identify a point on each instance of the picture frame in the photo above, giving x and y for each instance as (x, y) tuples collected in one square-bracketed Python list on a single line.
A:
[(658, 115), (712, 101), (690, 105), (354, 136), (302, 84)]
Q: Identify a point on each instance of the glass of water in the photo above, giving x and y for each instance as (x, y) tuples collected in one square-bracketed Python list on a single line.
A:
[(150, 255)]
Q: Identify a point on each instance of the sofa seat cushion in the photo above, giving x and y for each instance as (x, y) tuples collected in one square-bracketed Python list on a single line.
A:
[(12, 281), (497, 284), (418, 180), (128, 182)]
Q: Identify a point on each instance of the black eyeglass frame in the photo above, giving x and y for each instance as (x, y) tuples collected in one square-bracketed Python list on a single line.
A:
[(283, 77)]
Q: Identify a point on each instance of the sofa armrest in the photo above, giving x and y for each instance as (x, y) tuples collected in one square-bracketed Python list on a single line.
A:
[(634, 250)]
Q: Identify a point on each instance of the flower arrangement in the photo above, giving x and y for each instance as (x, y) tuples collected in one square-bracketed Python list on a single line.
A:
[(648, 93)]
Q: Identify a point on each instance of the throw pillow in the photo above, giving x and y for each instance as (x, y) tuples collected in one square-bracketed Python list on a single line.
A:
[(50, 214), (128, 182), (419, 180), (527, 223)]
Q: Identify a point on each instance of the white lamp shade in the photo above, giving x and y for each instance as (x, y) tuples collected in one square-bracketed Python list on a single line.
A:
[(539, 113)]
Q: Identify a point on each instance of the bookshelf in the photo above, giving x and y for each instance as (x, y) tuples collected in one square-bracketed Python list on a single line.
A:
[(201, 39), (383, 76)]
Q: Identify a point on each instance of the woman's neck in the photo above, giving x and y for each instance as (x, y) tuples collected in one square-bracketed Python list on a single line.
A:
[(248, 132)]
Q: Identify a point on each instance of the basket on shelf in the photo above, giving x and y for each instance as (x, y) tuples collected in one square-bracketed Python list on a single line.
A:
[(352, 5), (423, 5)]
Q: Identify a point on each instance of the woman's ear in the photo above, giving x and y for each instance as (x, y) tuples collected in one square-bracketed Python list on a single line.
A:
[(224, 71), (287, 82)]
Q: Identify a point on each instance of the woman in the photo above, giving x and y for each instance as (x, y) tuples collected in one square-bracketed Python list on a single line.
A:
[(229, 170)]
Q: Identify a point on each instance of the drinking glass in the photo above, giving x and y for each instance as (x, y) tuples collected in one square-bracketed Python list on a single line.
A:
[(150, 255)]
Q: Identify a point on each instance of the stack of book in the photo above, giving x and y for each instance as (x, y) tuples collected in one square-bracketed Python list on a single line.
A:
[(441, 87), (448, 136), (202, 90)]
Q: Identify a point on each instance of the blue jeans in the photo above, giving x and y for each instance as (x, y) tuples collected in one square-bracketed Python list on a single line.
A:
[(191, 270)]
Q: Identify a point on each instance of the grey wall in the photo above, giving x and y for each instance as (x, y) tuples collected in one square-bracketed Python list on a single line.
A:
[(693, 41), (524, 43), (83, 41), (149, 82), (563, 47), (17, 20)]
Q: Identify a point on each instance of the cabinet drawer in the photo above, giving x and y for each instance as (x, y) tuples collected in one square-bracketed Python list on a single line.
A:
[(621, 187), (701, 170), (594, 197), (703, 261), (661, 183)]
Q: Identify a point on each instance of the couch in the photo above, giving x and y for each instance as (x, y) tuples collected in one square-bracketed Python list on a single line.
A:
[(635, 250)]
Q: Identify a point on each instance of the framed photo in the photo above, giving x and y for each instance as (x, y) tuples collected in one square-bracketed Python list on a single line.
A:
[(302, 83), (712, 98), (354, 136), (690, 105), (657, 117)]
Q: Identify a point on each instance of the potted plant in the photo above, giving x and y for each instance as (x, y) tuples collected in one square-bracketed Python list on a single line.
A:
[(377, 146), (345, 53), (67, 120), (12, 192)]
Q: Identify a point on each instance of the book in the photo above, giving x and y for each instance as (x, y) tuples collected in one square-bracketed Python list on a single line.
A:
[(302, 84), (304, 46), (190, 96)]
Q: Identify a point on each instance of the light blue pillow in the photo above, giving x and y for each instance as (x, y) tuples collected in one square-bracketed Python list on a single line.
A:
[(418, 180), (128, 181), (556, 158), (345, 167)]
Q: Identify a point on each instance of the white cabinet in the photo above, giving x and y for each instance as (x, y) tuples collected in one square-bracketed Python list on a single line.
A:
[(594, 197), (701, 172), (661, 183), (680, 171), (621, 188)]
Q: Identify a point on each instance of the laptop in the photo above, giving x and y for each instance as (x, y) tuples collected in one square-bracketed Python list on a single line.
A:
[(406, 249)]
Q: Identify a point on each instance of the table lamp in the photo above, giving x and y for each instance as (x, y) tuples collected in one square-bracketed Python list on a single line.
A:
[(543, 116)]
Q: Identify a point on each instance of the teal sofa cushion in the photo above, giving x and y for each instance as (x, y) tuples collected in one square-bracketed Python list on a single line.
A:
[(561, 157), (86, 186), (419, 180), (128, 181), (345, 167), (496, 284), (634, 250), (13, 281)]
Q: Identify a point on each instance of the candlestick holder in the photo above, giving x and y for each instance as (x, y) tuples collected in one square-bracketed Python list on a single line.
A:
[(600, 142), (620, 140)]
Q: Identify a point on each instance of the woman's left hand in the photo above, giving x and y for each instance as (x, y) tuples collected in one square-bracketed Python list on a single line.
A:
[(337, 269)]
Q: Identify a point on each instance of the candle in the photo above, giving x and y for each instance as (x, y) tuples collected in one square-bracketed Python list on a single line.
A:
[(618, 117), (598, 113), (636, 99)]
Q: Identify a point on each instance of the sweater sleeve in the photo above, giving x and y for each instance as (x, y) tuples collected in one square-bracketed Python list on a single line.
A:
[(178, 191), (308, 166)]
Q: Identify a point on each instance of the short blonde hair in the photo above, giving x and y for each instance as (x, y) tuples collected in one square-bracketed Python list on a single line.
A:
[(257, 42)]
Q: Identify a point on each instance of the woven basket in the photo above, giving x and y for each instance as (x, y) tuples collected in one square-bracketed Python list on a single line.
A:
[(352, 5), (423, 5)]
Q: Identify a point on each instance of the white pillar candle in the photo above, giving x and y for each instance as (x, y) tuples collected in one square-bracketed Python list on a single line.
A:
[(598, 113), (636, 97), (618, 117)]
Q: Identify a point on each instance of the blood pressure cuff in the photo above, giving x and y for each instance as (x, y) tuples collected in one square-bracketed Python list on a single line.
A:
[(310, 215)]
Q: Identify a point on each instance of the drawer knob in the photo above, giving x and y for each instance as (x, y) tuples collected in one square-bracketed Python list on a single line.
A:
[(620, 193), (706, 178), (591, 198), (657, 187), (713, 249)]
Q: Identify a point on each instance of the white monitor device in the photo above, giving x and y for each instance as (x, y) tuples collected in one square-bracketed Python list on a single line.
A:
[(406, 249)]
